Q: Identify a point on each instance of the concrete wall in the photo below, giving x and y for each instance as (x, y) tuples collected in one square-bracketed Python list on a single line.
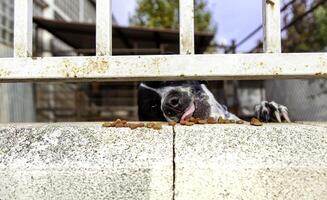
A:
[(86, 161)]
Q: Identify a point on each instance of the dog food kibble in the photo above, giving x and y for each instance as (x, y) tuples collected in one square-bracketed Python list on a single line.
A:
[(187, 122), (123, 124), (194, 120), (157, 126), (140, 125), (149, 125), (240, 122), (221, 120), (256, 122), (202, 121), (183, 122), (133, 126), (172, 123), (212, 120)]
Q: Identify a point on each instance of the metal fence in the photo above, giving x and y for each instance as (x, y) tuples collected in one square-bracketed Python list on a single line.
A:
[(269, 65)]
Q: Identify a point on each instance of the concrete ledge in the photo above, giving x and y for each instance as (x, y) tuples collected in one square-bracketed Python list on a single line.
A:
[(275, 161), (86, 161)]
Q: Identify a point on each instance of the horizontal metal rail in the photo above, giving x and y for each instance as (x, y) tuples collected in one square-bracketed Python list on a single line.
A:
[(168, 67), (104, 67)]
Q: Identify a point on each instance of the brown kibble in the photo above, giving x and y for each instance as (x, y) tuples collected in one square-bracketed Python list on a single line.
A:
[(132, 126), (183, 122), (240, 122), (120, 125), (140, 125), (157, 126), (256, 122), (135, 125), (211, 120), (194, 120), (172, 123), (150, 125), (221, 120), (189, 123), (197, 120), (202, 121), (124, 122)]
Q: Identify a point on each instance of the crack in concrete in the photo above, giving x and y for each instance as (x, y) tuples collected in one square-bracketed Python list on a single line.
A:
[(174, 164)]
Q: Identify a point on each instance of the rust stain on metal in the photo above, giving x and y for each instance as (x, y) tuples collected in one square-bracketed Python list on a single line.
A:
[(320, 74), (323, 61), (270, 2), (4, 73), (186, 44), (277, 70), (92, 65), (20, 51), (158, 61)]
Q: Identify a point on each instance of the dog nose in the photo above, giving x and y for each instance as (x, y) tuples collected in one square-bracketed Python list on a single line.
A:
[(174, 102)]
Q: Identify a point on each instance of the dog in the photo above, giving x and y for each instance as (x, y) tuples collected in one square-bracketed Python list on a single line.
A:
[(179, 100)]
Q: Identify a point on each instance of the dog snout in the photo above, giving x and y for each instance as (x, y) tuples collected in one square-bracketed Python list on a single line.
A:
[(174, 102)]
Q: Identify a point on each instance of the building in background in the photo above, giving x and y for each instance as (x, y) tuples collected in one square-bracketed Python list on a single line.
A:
[(67, 28), (16, 99), (6, 27)]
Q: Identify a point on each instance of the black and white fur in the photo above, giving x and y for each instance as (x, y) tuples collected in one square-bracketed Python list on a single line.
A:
[(172, 100)]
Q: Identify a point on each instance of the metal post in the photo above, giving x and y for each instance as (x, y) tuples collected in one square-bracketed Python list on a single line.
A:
[(186, 20), (23, 28), (103, 28), (271, 25)]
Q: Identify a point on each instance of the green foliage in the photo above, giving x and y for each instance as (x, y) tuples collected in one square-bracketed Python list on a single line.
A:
[(309, 34), (164, 14)]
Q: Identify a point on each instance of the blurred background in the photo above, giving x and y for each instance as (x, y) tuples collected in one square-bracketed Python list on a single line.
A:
[(145, 27)]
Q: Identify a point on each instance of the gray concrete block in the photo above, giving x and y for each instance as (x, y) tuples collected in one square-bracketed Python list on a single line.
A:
[(85, 161), (275, 161)]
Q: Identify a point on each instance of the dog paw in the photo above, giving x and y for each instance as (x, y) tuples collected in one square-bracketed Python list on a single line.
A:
[(271, 112)]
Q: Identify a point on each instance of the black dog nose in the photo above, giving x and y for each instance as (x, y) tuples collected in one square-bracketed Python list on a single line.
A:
[(174, 102)]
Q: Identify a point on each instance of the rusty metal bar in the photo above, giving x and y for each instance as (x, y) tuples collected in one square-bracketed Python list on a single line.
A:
[(186, 20), (271, 26), (23, 28), (165, 67), (103, 28)]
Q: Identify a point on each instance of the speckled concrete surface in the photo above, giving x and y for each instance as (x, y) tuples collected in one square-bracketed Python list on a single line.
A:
[(275, 161), (85, 161)]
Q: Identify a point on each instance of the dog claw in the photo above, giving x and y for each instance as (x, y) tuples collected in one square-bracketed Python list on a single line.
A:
[(277, 115), (271, 111), (286, 117)]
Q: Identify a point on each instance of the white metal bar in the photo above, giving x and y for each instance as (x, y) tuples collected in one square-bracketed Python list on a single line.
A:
[(168, 67), (186, 20), (103, 28), (23, 28), (271, 24)]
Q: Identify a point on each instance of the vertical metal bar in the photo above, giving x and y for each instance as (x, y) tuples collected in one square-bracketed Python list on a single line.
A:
[(271, 24), (103, 28), (186, 20), (23, 28)]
